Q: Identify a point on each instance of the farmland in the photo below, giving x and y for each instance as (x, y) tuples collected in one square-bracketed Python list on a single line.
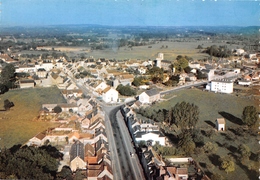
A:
[(141, 52), (17, 125)]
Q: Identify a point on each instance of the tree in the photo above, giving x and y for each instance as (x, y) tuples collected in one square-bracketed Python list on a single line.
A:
[(8, 104), (57, 109), (197, 137), (27, 163), (244, 151), (8, 75), (217, 177), (173, 81), (3, 89), (137, 81), (249, 116), (126, 90), (186, 144), (156, 74), (185, 115), (201, 75), (65, 173), (210, 147), (181, 63), (227, 164)]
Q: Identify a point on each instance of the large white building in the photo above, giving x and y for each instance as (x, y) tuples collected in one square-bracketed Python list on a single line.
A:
[(221, 86)]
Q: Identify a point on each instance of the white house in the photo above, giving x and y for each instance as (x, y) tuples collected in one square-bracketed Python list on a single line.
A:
[(194, 65), (110, 95), (150, 137), (220, 124), (149, 96), (100, 86), (244, 82), (222, 86), (37, 140)]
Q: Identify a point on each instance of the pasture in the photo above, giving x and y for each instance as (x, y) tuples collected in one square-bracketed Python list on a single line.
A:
[(17, 125), (214, 106), (144, 53)]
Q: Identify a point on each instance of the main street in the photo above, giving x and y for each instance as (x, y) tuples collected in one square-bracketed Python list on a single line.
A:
[(125, 166)]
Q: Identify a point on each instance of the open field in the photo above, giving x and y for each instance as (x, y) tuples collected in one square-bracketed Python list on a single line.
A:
[(144, 53), (17, 125), (210, 104)]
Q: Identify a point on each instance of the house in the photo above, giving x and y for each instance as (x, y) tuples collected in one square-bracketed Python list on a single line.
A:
[(191, 77), (149, 96), (25, 69), (221, 86), (194, 65), (239, 52), (71, 86), (150, 137), (56, 78), (220, 124), (125, 79), (110, 95), (244, 82), (166, 65), (209, 72), (26, 83), (100, 86), (37, 140), (77, 156), (68, 107), (142, 69), (46, 64), (182, 173), (41, 73)]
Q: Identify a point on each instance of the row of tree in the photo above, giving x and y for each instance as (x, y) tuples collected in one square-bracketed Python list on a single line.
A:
[(183, 116), (29, 162)]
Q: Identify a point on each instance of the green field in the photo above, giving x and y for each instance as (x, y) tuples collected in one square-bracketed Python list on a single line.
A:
[(17, 125), (210, 104), (143, 52)]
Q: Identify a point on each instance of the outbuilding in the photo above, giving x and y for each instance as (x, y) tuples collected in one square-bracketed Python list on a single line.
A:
[(220, 124)]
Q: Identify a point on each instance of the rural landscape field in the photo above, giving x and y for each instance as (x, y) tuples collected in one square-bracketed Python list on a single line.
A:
[(129, 90), (20, 123), (213, 106)]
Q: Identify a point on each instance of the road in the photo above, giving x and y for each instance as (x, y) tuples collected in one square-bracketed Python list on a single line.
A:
[(125, 166)]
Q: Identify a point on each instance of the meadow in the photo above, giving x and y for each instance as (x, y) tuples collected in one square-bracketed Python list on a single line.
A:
[(144, 53), (18, 125), (210, 105)]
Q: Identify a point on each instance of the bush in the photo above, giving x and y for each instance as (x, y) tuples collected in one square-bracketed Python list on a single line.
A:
[(57, 109), (126, 90), (210, 147)]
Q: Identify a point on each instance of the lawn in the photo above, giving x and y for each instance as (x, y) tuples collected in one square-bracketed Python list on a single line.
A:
[(17, 125), (210, 104)]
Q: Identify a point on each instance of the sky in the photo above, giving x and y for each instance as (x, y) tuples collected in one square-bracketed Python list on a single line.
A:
[(130, 12)]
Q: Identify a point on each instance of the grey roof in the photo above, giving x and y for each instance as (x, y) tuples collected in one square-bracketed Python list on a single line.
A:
[(100, 131), (100, 143), (27, 81), (152, 92), (77, 150)]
